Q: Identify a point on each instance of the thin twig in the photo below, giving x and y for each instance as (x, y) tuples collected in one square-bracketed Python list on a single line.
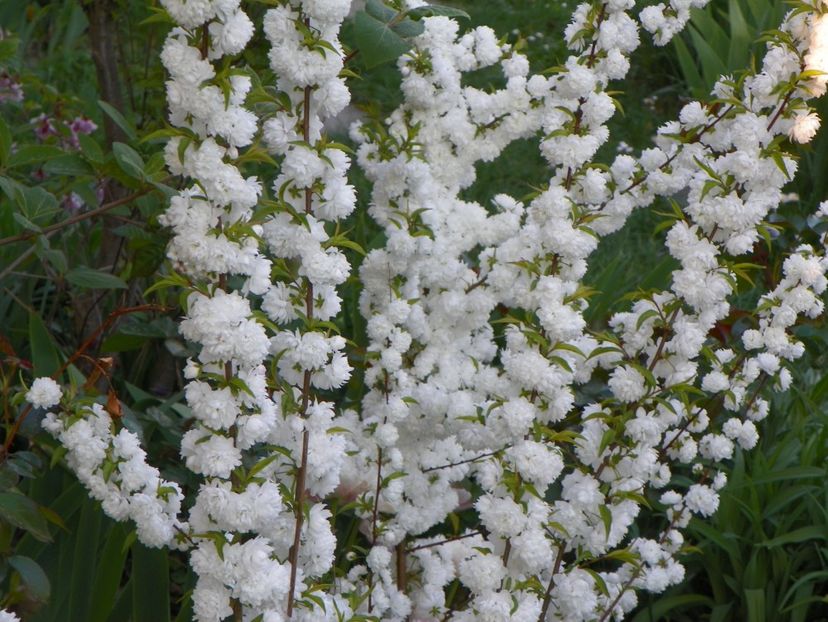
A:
[(446, 541), (475, 459), (547, 597), (76, 219)]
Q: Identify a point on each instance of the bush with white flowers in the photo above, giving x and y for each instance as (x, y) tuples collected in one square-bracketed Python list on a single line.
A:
[(478, 350)]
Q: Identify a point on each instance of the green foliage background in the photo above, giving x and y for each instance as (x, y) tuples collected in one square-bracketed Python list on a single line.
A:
[(761, 558)]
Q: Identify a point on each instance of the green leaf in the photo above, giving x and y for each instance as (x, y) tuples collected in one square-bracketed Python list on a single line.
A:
[(740, 36), (44, 353), (435, 10), (89, 278), (150, 575), (108, 575), (39, 201), (408, 28), (20, 511), (711, 62), (84, 559), (24, 222), (91, 149), (689, 69), (68, 164), (755, 600), (129, 160), (162, 135), (376, 41), (25, 463), (606, 518), (118, 119), (791, 474), (159, 16), (803, 534), (14, 191), (36, 581), (379, 10), (33, 154)]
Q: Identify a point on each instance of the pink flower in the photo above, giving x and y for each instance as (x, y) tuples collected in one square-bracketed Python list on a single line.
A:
[(44, 127), (10, 89), (82, 125)]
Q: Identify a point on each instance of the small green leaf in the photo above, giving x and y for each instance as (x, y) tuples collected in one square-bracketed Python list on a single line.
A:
[(35, 580), (91, 149), (118, 119), (606, 518), (68, 164), (33, 154), (39, 201), (24, 222), (22, 512), (25, 463), (435, 10), (44, 353), (129, 160), (14, 191), (94, 279)]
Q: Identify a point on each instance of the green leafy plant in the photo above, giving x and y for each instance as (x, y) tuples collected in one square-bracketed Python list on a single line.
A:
[(720, 39)]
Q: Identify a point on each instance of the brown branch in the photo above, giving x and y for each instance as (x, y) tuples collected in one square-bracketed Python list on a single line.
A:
[(301, 473), (402, 574), (781, 107), (547, 597), (663, 341)]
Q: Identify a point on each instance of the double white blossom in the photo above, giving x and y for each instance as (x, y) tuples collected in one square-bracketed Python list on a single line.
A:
[(477, 342)]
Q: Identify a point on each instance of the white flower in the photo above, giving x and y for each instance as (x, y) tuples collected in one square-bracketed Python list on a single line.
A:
[(44, 393), (210, 454), (503, 517), (627, 384), (716, 447), (804, 127), (482, 573), (702, 500), (211, 600)]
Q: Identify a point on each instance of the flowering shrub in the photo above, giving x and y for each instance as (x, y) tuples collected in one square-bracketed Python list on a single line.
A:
[(503, 455)]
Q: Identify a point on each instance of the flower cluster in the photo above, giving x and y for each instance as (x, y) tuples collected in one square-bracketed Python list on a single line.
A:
[(114, 469), (302, 234), (439, 412), (478, 346)]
